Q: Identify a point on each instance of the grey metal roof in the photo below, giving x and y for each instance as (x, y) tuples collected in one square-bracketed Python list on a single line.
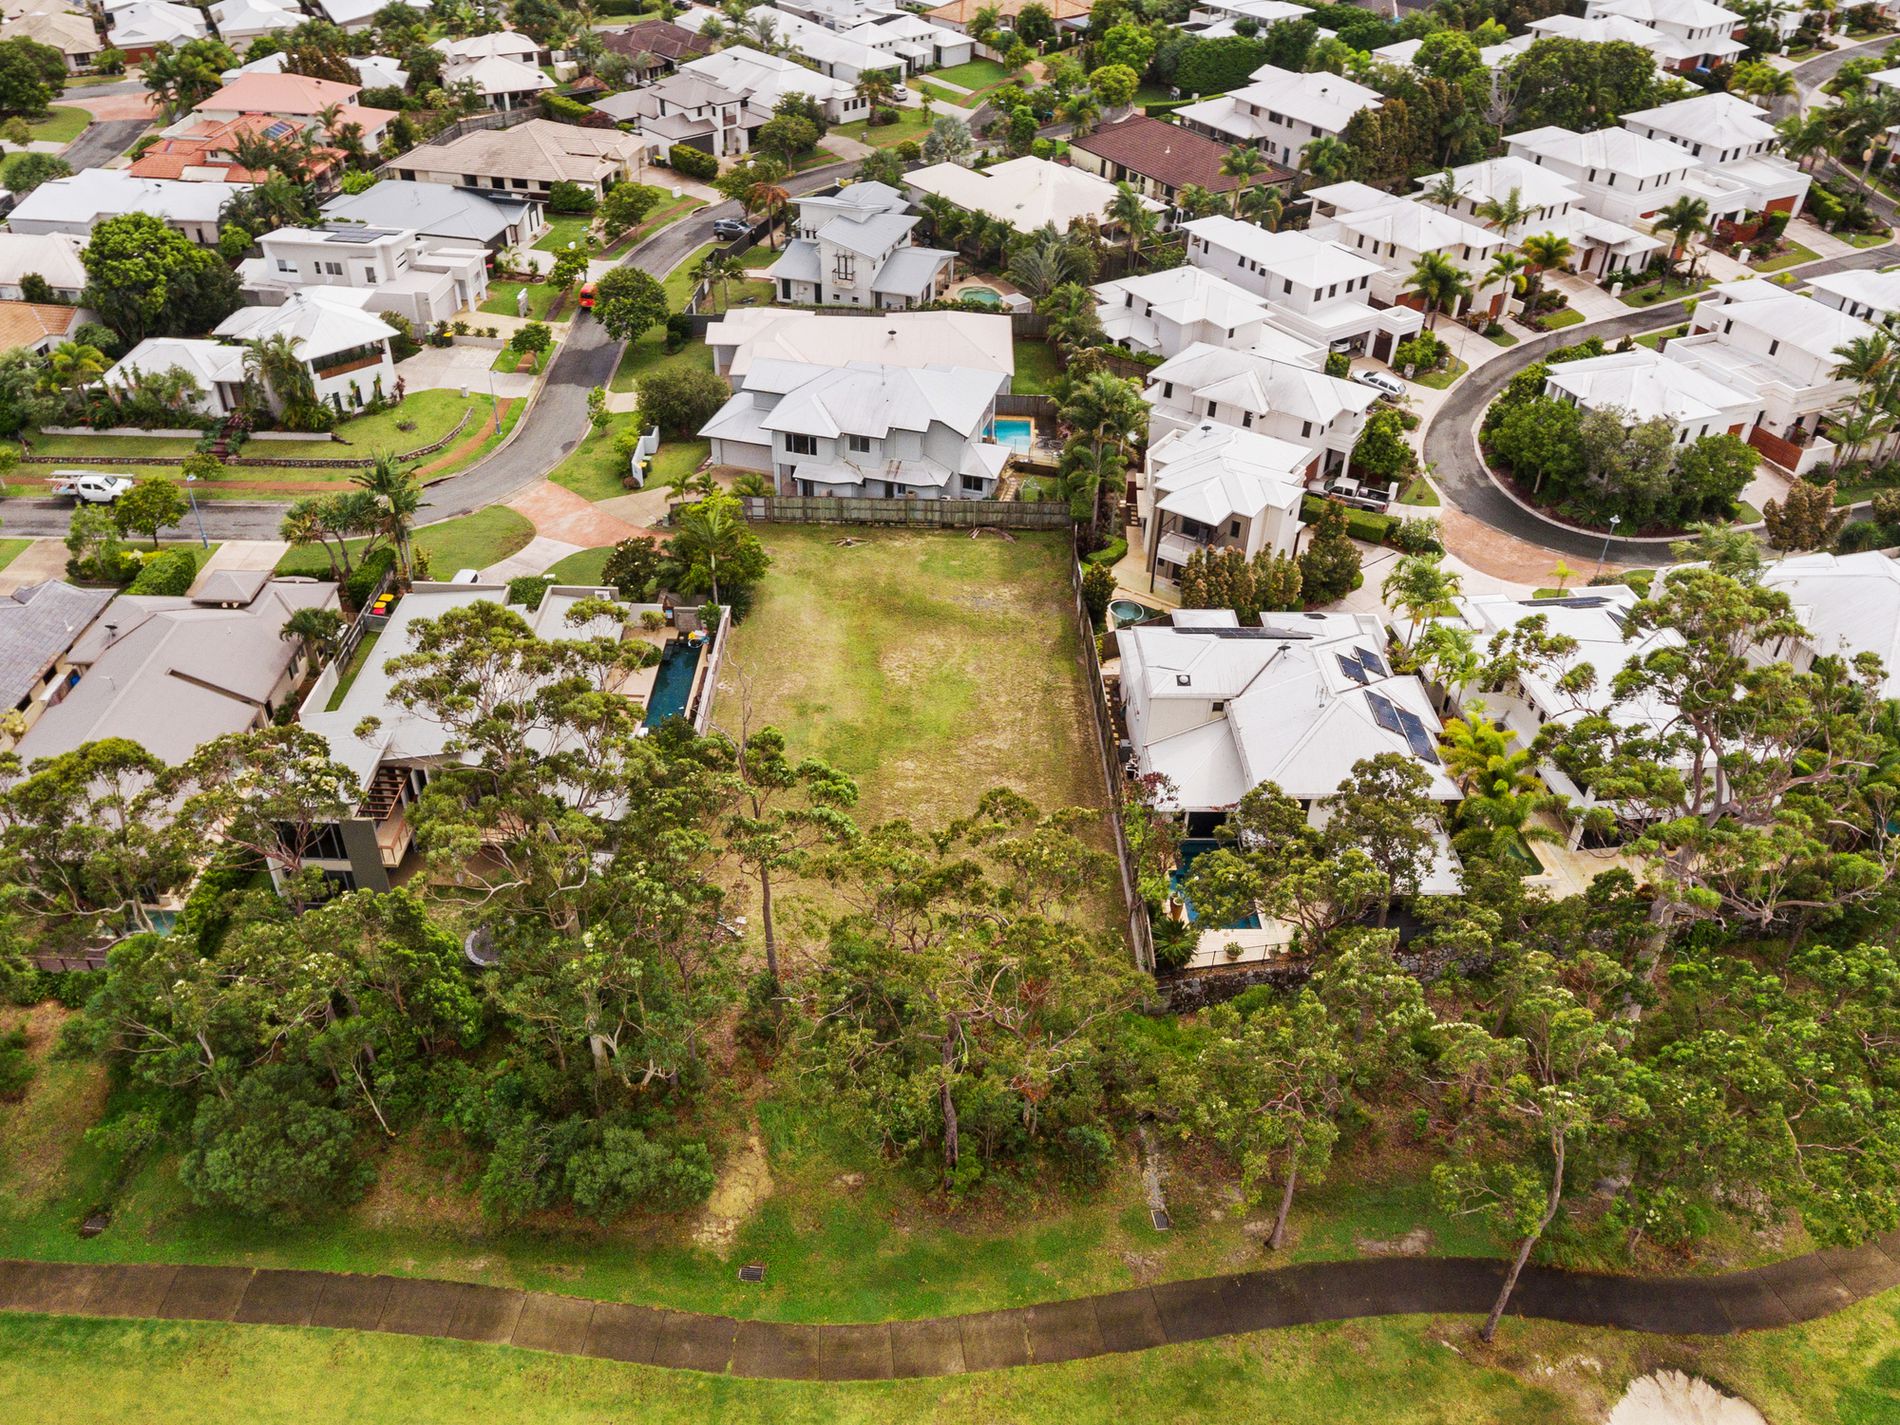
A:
[(37, 625), (433, 208)]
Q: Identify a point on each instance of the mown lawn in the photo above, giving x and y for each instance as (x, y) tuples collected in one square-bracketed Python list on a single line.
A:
[(931, 667), (511, 362), (1844, 1370), (471, 542), (502, 297), (1792, 255), (648, 352), (12, 549), (562, 231), (582, 567), (594, 470), (63, 123), (1037, 368), (911, 124)]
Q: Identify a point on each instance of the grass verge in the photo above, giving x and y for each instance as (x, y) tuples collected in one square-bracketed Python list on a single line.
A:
[(1442, 379), (561, 231), (62, 124), (582, 567), (12, 549), (503, 297), (1793, 255)]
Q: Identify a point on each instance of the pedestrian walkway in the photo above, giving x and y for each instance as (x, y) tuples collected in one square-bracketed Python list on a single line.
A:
[(41, 560), (1585, 296), (558, 513), (1139, 1319)]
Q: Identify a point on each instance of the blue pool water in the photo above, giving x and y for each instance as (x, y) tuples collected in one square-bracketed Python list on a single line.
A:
[(673, 684), (982, 296), (1018, 435), (1190, 849)]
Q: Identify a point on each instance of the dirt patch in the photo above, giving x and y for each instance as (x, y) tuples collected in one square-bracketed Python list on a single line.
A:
[(743, 1185), (1416, 1243), (1672, 1398)]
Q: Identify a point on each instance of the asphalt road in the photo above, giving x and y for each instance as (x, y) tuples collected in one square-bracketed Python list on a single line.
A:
[(1811, 74), (1463, 482), (103, 142), (586, 358)]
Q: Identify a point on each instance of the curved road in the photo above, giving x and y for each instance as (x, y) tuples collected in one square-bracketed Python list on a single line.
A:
[(542, 438), (1766, 1298), (1450, 445)]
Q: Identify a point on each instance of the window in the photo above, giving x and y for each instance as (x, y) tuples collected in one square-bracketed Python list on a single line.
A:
[(1306, 429), (801, 444), (335, 269), (1233, 529), (861, 444), (1286, 285), (844, 267), (1218, 705), (1213, 409)]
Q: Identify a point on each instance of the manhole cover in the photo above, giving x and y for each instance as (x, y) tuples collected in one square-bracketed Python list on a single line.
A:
[(753, 1272), (1162, 1221)]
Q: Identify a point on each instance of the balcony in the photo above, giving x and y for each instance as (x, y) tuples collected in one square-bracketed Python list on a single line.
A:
[(344, 362)]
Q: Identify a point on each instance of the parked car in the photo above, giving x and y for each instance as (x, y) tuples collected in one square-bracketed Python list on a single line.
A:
[(901, 93), (730, 228), (88, 488), (1385, 385)]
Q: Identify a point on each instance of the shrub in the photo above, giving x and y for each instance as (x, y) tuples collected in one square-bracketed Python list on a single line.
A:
[(629, 1169), (1425, 352), (693, 163), (273, 1150), (1111, 553), (169, 572), (1084, 1153), (529, 589), (1098, 587), (570, 198), (366, 576)]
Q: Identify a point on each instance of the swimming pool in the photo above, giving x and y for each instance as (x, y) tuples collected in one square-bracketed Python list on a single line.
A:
[(1191, 848), (673, 684), (982, 296), (1018, 435)]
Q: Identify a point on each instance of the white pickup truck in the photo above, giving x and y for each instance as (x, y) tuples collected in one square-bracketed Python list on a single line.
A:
[(88, 487)]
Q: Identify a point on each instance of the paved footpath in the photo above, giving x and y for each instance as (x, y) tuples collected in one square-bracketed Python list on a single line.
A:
[(1801, 1289)]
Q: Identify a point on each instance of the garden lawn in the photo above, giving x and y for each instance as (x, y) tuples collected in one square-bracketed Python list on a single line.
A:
[(471, 542), (1794, 255), (911, 124), (1037, 368), (562, 231), (1865, 239), (660, 217), (648, 353), (1557, 321), (12, 549), (1419, 492), (594, 469), (676, 459), (1503, 338), (1653, 340), (62, 124), (582, 567), (976, 76), (500, 300), (358, 659), (1844, 1370), (931, 667), (1441, 379), (509, 361), (1657, 292), (433, 414)]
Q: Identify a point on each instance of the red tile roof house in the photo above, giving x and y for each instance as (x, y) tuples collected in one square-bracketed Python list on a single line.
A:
[(1160, 158), (291, 96), (204, 151)]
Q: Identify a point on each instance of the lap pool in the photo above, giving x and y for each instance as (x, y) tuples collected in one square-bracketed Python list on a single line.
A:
[(673, 684), (1018, 435)]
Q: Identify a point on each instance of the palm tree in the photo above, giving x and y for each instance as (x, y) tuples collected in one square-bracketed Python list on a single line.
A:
[(1129, 211), (1327, 159), (877, 89), (1423, 588), (1505, 214), (273, 364), (320, 631), (1502, 791), (1108, 413), (398, 498), (75, 365), (716, 270), (948, 141), (1444, 190), (1507, 268), (1194, 201), (770, 199), (705, 533), (1073, 323), (1804, 136), (1441, 282), (1081, 110), (1242, 163), (1449, 652), (1683, 220), (1545, 252), (1264, 204), (1759, 80), (1044, 262)]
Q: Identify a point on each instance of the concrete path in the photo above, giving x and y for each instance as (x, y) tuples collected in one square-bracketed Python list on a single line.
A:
[(41, 560), (536, 557), (1766, 1298), (241, 554), (558, 513)]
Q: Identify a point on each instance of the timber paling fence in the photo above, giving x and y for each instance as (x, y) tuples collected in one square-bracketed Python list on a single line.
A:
[(908, 514), (280, 462)]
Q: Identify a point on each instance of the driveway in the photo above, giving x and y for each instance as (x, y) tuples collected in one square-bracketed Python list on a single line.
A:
[(1450, 438), (103, 142)]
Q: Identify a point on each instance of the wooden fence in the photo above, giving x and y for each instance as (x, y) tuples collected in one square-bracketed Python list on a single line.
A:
[(1140, 932), (1042, 408), (909, 514)]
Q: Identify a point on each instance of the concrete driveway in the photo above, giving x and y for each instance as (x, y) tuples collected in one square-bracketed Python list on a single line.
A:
[(450, 368)]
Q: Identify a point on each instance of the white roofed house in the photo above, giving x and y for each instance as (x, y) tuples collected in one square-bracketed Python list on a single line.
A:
[(446, 215), (838, 54), (767, 78), (1164, 313), (77, 204), (1296, 404), (1642, 385), (1871, 296), (503, 83), (1215, 486), (1618, 174), (53, 257), (688, 109), (1691, 34), (1848, 603), (1781, 349), (354, 15), (864, 429), (427, 281), (1598, 30), (1396, 233), (973, 341), (138, 29), (240, 21), (912, 42), (855, 249), (1280, 112), (1027, 193), (1739, 151), (1316, 288), (1555, 205), (1217, 708)]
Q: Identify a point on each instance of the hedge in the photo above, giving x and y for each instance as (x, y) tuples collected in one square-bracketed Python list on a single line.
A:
[(1367, 525), (564, 110), (1161, 108), (692, 162), (169, 572), (366, 576), (1110, 553), (529, 589)]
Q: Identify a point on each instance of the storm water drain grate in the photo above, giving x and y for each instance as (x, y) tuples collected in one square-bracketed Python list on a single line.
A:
[(753, 1272), (1161, 1219)]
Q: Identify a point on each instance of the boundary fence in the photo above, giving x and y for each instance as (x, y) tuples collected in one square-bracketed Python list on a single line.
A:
[(908, 514), (346, 462)]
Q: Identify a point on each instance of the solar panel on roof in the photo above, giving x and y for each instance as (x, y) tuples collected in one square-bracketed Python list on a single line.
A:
[(1349, 665), (1371, 663), (1383, 712), (1417, 738), (1572, 601)]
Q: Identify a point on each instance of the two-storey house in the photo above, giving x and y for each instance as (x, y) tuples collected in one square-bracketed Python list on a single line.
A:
[(1297, 404), (1691, 34), (854, 249), (424, 280), (1396, 233), (1214, 486), (1164, 313), (1280, 112)]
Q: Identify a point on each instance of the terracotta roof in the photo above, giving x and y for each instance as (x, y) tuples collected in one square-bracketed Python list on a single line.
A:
[(29, 323), (660, 38), (257, 93), (208, 145), (961, 12), (1169, 154)]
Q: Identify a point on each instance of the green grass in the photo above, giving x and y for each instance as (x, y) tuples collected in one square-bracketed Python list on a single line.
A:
[(432, 413), (358, 659), (1421, 493), (561, 231), (471, 542), (1037, 368), (911, 124), (1503, 338), (937, 91), (976, 75), (675, 460), (62, 124), (12, 549), (1865, 239), (1843, 1370), (594, 470), (648, 353), (1663, 292), (1441, 379), (1793, 255), (1653, 340), (508, 360), (817, 158), (929, 667), (1557, 321), (485, 423), (660, 217), (500, 300), (582, 567), (1745, 513)]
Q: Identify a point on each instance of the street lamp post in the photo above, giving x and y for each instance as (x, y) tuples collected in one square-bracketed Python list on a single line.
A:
[(494, 402), (1615, 520), (192, 495)]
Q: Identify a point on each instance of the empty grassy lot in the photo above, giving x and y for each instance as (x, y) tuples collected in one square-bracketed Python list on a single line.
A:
[(930, 666)]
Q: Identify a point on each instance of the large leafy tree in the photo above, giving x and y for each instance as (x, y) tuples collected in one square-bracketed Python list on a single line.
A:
[(146, 279), (628, 301)]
